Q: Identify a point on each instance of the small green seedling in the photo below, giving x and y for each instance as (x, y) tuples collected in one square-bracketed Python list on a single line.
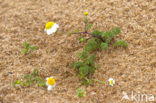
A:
[(18, 82), (98, 41), (80, 93), (82, 39), (30, 79), (76, 30), (28, 48), (120, 43)]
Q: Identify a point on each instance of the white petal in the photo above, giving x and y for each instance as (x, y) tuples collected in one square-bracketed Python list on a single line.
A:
[(51, 77), (47, 84), (113, 81), (50, 31), (49, 88), (110, 79), (111, 85), (56, 25), (47, 78)]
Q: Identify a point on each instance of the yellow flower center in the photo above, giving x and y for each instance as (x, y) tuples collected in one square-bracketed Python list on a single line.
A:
[(18, 82), (51, 81), (111, 82), (85, 13), (49, 25)]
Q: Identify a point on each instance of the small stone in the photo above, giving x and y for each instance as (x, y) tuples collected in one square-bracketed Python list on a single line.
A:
[(10, 72), (93, 93)]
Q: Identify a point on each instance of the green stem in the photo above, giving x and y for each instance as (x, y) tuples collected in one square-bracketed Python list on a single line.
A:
[(96, 36), (95, 80)]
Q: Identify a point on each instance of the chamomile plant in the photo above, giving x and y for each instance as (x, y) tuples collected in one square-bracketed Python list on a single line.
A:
[(80, 93), (28, 48), (30, 79), (98, 40)]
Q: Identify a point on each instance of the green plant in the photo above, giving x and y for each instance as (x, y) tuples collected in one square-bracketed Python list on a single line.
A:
[(28, 48), (18, 82), (120, 43), (30, 79), (80, 93), (98, 40), (85, 67)]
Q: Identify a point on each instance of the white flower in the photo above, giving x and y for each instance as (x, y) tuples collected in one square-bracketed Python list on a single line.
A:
[(51, 27), (50, 82), (111, 81)]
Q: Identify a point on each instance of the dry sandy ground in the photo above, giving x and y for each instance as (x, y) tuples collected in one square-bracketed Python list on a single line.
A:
[(134, 69)]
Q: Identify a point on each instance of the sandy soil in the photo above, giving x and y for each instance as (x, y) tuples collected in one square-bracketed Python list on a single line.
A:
[(134, 69)]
